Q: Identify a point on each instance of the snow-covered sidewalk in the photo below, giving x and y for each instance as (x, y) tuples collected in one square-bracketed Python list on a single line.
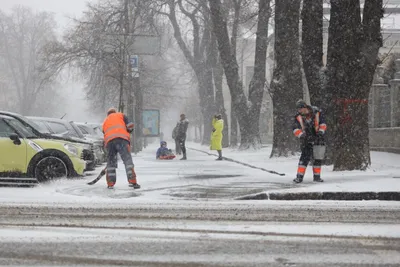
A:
[(382, 176), (201, 178)]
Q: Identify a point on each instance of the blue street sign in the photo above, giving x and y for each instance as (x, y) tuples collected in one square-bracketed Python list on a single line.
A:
[(134, 62)]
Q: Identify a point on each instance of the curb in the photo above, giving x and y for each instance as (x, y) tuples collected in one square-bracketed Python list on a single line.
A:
[(347, 196)]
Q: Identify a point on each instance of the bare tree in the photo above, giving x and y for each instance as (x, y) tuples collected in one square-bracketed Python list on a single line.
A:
[(23, 37), (246, 109), (312, 47), (353, 48), (286, 86), (196, 50)]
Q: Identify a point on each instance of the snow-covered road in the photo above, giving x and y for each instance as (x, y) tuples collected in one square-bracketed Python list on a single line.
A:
[(201, 234), (185, 215)]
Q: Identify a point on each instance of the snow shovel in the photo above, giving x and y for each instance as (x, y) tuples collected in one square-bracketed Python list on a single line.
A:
[(102, 173)]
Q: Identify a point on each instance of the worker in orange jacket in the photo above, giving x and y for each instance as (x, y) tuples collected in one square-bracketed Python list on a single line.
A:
[(117, 129)]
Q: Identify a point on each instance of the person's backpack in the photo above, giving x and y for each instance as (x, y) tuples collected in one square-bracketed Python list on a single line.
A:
[(175, 132)]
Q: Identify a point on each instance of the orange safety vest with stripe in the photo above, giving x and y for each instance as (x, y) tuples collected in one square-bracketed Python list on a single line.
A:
[(116, 125), (317, 119)]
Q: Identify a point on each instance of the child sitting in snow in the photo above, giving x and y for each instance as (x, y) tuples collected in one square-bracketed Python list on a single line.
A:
[(163, 152)]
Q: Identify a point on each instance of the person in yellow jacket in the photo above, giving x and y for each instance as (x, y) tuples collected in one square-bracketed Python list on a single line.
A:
[(216, 135)]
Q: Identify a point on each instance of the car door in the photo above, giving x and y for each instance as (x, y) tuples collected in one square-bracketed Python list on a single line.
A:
[(13, 153)]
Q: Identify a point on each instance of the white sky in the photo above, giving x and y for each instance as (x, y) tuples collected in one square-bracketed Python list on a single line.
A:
[(61, 8), (76, 106)]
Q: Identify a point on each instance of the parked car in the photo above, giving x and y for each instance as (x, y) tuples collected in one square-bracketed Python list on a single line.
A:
[(25, 155), (88, 154), (64, 128), (91, 129), (92, 133)]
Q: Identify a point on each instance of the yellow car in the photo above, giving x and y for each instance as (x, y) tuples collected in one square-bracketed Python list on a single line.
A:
[(24, 155)]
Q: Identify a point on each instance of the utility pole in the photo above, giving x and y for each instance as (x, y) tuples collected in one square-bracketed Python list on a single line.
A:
[(123, 55)]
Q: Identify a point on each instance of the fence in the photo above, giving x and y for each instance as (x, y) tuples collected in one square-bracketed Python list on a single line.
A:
[(384, 112)]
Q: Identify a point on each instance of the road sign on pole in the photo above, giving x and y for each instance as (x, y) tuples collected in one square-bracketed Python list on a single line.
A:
[(134, 62)]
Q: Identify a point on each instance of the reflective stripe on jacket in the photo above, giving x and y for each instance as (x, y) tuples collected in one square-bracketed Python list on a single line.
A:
[(115, 126), (315, 123)]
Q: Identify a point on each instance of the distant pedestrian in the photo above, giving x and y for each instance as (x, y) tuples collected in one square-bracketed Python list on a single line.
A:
[(117, 129), (216, 135), (309, 126), (174, 136), (181, 134)]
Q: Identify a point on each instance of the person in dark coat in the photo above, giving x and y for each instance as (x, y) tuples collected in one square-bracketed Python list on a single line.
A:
[(174, 136), (181, 134), (309, 126)]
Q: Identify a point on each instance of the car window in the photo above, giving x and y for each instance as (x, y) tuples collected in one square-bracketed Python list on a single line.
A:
[(5, 129), (57, 128), (41, 126), (77, 130), (25, 131), (83, 129), (98, 131)]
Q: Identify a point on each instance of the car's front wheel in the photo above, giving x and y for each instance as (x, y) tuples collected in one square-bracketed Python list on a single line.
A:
[(50, 168)]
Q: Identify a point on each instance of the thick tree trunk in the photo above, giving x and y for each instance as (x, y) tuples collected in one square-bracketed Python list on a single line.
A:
[(197, 58), (352, 59), (234, 127), (234, 140), (239, 100), (286, 86), (312, 47), (138, 136), (257, 83), (248, 112), (207, 100), (219, 100), (214, 61)]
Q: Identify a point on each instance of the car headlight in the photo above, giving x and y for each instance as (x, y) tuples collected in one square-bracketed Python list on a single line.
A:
[(71, 149)]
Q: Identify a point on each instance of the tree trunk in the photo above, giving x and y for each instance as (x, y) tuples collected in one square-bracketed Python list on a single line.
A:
[(257, 83), (286, 86), (312, 47), (207, 100), (247, 110), (352, 59), (198, 61), (231, 68), (218, 75), (234, 122), (138, 141), (234, 128)]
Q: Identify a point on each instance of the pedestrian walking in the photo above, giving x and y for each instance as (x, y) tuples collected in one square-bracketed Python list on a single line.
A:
[(174, 136), (117, 129), (181, 134), (216, 135), (309, 126)]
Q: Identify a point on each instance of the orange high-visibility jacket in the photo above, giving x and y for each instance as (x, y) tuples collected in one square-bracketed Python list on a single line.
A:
[(116, 125)]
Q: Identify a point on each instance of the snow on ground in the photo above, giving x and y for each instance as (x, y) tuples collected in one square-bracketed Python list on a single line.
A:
[(201, 178), (383, 175), (193, 228)]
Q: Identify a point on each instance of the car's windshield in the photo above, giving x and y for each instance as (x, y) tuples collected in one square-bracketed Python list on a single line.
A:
[(41, 127), (77, 130), (86, 130), (98, 131), (24, 130)]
